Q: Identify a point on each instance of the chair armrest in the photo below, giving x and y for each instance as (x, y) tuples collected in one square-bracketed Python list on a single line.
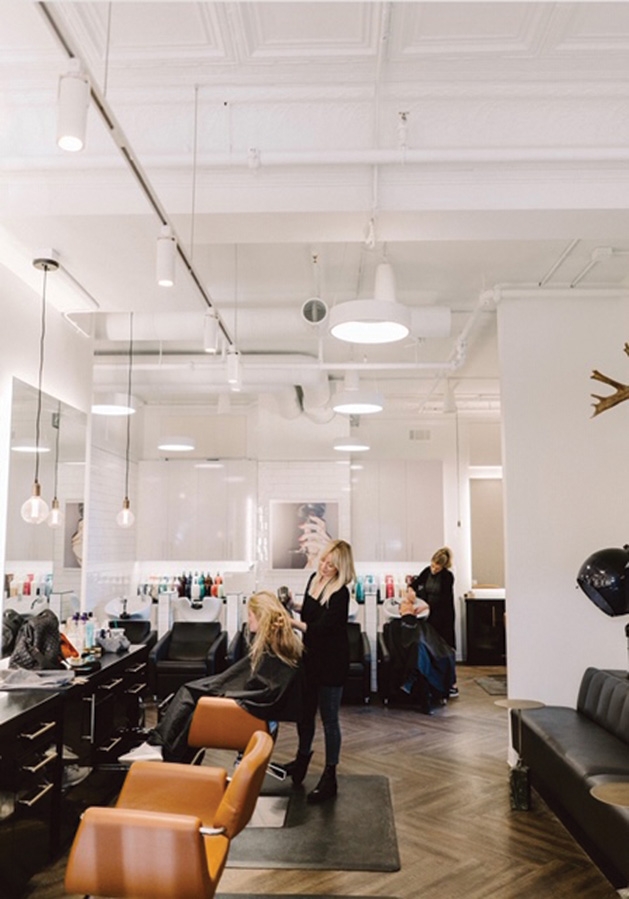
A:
[(151, 640), (366, 649), (383, 651), (234, 650), (216, 658), (160, 650)]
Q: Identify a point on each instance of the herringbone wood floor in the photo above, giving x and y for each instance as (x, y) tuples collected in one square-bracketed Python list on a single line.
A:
[(457, 835)]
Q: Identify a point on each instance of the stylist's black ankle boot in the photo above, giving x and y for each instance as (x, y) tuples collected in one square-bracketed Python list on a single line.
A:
[(298, 768), (326, 788)]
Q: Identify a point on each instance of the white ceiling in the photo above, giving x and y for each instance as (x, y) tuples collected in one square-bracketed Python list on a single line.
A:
[(293, 147)]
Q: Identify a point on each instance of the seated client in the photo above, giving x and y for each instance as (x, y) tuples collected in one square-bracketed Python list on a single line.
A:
[(266, 683), (423, 663)]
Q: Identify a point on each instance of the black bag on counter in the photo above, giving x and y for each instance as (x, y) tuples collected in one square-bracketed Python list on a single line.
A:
[(38, 643)]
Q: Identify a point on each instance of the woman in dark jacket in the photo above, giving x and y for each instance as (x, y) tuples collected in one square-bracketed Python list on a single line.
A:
[(435, 585), (326, 663)]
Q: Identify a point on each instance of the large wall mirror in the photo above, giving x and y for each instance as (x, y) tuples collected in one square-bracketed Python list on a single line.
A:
[(39, 557)]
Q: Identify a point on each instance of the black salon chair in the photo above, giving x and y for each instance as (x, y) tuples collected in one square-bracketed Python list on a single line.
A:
[(358, 684), (190, 650), (137, 630)]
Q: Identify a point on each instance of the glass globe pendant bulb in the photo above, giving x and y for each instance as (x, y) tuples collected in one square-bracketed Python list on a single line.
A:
[(55, 519), (35, 509), (125, 518)]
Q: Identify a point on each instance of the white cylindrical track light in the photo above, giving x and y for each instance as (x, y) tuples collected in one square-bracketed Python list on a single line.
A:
[(234, 375), (72, 104), (166, 251)]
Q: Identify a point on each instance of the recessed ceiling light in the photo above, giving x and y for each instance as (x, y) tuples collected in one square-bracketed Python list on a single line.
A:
[(351, 446), (210, 463), (176, 444), (114, 404), (28, 445)]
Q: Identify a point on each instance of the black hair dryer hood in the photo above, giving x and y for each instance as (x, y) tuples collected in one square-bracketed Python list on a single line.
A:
[(603, 579)]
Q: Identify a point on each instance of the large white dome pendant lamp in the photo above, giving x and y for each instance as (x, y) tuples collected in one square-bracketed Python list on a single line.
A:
[(353, 400), (378, 320)]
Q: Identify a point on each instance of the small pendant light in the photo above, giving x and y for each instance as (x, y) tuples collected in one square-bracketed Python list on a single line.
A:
[(125, 518), (35, 509)]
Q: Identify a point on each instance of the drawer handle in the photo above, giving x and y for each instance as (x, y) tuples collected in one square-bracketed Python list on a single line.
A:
[(45, 761), (44, 729), (112, 684), (111, 746), (135, 689), (31, 802), (133, 669)]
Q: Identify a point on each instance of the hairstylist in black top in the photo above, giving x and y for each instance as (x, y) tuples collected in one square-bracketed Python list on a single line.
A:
[(435, 585), (326, 663)]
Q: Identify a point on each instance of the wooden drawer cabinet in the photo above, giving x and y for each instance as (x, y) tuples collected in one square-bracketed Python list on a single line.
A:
[(91, 718), (485, 631), (30, 785)]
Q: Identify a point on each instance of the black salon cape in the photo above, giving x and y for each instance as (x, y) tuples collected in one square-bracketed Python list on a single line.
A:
[(272, 693), (416, 646)]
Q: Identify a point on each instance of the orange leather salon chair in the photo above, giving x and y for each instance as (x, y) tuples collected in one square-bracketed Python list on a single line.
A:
[(220, 723), (169, 834)]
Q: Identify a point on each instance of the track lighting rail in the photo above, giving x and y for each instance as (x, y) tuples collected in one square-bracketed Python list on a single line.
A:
[(134, 166)]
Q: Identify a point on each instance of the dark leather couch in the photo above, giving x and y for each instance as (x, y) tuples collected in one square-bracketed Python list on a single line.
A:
[(568, 751)]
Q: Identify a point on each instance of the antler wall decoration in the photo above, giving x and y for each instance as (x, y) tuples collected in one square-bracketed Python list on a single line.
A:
[(608, 402)]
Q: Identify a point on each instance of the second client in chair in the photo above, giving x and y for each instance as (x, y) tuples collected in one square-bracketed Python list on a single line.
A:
[(267, 683)]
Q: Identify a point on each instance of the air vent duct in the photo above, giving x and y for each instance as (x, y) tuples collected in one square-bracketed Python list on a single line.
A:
[(314, 311), (419, 434)]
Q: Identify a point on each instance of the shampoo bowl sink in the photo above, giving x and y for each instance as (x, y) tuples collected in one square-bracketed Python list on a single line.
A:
[(206, 609), (137, 607)]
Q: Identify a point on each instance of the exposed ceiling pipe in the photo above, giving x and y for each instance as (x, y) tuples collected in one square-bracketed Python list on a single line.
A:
[(382, 157), (426, 321), (559, 261), (192, 365)]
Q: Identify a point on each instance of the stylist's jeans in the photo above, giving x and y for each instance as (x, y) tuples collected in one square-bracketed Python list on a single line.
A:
[(328, 701)]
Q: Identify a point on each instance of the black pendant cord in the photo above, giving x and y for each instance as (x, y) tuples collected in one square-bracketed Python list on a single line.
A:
[(58, 426), (126, 476), (42, 338)]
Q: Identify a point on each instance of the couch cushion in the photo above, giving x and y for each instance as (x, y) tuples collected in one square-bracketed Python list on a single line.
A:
[(604, 698), (582, 744)]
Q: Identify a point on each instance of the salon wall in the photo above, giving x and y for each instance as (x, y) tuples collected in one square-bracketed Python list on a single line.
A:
[(566, 487)]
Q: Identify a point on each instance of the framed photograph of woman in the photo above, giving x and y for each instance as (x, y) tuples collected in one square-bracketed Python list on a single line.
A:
[(300, 530)]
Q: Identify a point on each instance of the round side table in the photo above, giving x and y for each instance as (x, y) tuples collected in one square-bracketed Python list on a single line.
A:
[(519, 780), (613, 792)]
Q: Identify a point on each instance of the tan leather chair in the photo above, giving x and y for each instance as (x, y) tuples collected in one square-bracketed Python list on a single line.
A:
[(120, 852), (170, 822), (220, 723)]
